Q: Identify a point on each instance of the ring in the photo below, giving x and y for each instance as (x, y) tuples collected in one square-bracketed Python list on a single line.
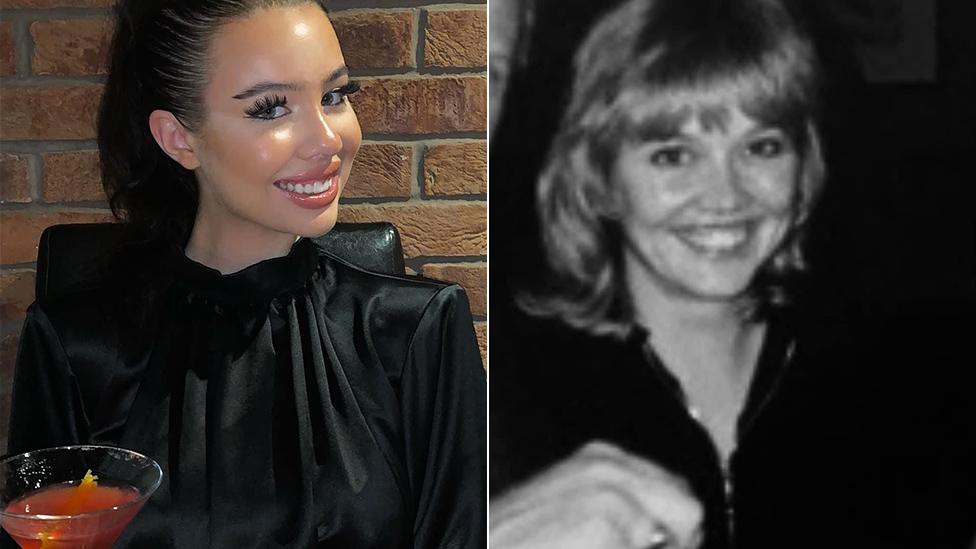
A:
[(660, 539)]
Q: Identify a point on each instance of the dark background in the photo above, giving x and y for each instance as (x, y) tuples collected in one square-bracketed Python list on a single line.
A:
[(896, 226)]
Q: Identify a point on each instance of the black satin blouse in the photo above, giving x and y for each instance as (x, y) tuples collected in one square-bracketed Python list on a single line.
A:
[(301, 402)]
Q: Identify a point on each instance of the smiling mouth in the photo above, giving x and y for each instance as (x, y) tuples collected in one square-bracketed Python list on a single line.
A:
[(311, 183), (720, 239), (309, 188)]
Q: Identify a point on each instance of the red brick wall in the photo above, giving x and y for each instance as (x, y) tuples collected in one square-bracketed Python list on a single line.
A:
[(422, 109)]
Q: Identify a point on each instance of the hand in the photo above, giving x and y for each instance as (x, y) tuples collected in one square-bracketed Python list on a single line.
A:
[(601, 497)]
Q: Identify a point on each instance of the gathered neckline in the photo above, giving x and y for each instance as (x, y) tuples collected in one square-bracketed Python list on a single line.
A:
[(258, 283)]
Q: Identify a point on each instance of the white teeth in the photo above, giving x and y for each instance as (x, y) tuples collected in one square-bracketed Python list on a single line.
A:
[(306, 188), (316, 187), (716, 239)]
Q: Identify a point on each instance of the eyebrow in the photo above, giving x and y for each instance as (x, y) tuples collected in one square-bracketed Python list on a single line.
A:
[(262, 87), (660, 126)]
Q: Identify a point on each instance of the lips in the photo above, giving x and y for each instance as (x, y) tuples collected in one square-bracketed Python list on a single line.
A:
[(715, 238), (317, 174), (314, 189)]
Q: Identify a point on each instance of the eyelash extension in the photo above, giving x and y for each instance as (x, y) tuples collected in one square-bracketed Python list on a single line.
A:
[(344, 91), (265, 104), (350, 88)]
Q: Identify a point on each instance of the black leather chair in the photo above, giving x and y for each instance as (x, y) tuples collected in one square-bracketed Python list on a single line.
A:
[(65, 249)]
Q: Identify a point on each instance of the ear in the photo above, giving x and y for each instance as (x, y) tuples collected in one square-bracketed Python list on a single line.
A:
[(175, 140)]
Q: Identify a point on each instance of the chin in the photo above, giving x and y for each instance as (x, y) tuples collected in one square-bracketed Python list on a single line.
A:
[(319, 225), (714, 285), (716, 292)]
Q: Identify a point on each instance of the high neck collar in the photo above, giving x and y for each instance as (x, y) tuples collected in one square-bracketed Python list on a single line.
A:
[(258, 283)]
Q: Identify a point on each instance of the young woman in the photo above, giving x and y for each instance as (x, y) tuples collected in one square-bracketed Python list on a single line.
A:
[(666, 390), (292, 399)]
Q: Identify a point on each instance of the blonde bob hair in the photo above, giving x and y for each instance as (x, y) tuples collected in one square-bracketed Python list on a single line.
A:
[(674, 57)]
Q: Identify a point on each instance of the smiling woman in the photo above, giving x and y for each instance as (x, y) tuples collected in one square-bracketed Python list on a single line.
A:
[(277, 133), (292, 399), (667, 384)]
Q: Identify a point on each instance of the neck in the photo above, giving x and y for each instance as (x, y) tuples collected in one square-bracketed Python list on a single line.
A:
[(696, 336), (230, 246)]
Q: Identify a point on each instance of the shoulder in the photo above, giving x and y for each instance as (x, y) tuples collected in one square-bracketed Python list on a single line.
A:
[(84, 309), (384, 293), (114, 309), (93, 327), (389, 310), (547, 345)]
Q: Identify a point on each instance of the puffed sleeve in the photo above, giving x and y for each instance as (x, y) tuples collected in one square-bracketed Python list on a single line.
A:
[(46, 407), (443, 398)]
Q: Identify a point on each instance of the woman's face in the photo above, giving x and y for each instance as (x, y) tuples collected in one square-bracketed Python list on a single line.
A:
[(279, 135), (707, 201)]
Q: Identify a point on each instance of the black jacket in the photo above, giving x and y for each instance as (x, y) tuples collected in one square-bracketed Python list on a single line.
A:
[(857, 432)]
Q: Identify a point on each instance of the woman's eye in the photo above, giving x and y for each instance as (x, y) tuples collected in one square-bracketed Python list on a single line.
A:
[(671, 156), (269, 108), (333, 98), (338, 95), (767, 147), (273, 112)]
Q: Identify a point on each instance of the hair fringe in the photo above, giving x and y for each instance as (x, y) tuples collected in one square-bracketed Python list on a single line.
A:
[(675, 48)]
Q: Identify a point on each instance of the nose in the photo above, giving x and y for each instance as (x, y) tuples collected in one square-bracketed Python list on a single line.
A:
[(321, 141), (724, 186)]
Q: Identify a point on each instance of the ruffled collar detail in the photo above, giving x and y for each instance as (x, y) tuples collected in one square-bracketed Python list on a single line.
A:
[(252, 286)]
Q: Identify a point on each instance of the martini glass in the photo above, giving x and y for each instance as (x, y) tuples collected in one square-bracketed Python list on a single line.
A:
[(42, 506)]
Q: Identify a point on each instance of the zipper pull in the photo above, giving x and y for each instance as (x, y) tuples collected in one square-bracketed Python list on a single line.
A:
[(728, 483)]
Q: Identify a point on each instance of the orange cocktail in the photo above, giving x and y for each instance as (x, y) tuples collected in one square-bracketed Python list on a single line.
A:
[(43, 510)]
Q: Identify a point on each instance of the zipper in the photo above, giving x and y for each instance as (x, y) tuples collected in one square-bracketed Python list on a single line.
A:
[(725, 465), (674, 389), (728, 486)]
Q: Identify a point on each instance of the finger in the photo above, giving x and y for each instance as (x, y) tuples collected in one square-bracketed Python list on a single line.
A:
[(599, 486), (657, 492)]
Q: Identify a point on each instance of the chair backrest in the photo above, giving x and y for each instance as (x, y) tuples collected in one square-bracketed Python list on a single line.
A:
[(65, 249)]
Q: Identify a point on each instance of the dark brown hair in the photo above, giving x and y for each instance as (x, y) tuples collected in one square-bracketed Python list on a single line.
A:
[(159, 60)]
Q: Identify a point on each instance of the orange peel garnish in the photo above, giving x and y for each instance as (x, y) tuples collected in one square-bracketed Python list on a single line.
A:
[(74, 505)]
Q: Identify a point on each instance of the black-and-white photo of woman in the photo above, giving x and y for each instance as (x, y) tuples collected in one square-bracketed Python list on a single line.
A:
[(701, 332)]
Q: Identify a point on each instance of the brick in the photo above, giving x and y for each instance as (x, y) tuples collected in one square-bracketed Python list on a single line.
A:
[(481, 331), (8, 54), (55, 112), (429, 229), (16, 294), (456, 169), (473, 277), (14, 179), (21, 231), (380, 171), (376, 40), (456, 38), (56, 3), (72, 177), (422, 105), (71, 46)]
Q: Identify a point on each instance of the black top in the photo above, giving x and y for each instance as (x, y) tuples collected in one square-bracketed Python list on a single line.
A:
[(854, 434), (300, 402)]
